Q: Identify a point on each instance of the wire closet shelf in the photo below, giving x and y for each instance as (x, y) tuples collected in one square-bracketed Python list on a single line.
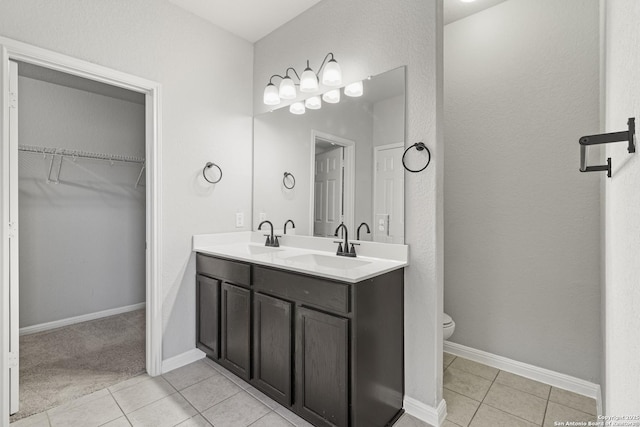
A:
[(79, 154)]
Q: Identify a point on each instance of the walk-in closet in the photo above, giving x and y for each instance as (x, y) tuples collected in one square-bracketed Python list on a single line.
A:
[(82, 228)]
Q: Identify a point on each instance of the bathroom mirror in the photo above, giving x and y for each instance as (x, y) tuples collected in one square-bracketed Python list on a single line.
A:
[(339, 163)]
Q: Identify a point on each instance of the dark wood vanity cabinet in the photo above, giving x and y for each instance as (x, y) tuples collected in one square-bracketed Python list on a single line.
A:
[(322, 367), (235, 337), (273, 347), (208, 314), (330, 351)]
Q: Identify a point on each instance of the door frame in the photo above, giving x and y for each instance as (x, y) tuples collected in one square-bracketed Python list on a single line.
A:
[(376, 151), (18, 51), (348, 181)]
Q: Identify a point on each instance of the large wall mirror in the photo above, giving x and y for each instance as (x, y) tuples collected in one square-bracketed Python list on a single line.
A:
[(340, 163)]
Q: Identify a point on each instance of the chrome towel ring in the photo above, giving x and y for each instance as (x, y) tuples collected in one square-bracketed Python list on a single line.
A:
[(210, 165)]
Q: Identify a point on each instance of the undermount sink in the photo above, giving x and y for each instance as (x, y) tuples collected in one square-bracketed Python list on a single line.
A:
[(258, 250), (335, 261)]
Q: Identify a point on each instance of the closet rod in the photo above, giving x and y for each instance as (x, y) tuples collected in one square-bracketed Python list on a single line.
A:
[(80, 154)]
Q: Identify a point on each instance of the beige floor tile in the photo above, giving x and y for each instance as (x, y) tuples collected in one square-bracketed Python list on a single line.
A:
[(447, 358), (524, 384), (516, 402), (37, 420), (573, 400), (408, 421), (272, 420), (460, 409), (190, 374), (166, 412), (240, 410), (142, 394), (492, 417), (561, 413), (448, 423), (475, 368), (197, 421), (465, 383), (128, 383), (292, 418), (233, 377), (92, 413), (263, 398), (209, 392), (118, 422)]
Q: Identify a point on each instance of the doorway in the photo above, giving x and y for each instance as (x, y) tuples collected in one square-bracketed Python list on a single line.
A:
[(332, 183), (9, 297)]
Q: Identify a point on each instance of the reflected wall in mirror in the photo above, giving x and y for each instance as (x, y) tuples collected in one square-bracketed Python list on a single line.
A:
[(346, 159)]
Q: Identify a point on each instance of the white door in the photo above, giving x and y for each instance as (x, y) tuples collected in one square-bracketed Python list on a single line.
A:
[(388, 194), (14, 333), (328, 192)]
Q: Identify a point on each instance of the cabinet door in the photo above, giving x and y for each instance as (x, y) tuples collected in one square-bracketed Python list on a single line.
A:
[(236, 328), (322, 366), (272, 347), (207, 315)]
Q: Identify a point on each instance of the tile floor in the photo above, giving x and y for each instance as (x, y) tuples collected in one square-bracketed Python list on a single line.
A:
[(482, 396), (197, 395), (205, 394)]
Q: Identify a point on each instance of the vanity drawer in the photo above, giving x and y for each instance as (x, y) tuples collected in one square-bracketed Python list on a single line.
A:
[(319, 292), (230, 271)]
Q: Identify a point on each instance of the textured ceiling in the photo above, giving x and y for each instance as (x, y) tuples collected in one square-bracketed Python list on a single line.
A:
[(457, 9), (249, 19)]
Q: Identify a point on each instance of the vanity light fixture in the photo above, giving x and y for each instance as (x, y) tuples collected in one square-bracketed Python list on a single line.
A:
[(297, 108), (313, 103), (354, 89), (331, 97), (308, 82)]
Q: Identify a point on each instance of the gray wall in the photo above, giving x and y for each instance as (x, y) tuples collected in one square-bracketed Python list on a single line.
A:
[(206, 74), (522, 257), (370, 37), (622, 211), (82, 240)]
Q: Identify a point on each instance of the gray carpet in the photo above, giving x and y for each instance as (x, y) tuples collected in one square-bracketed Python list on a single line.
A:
[(60, 365)]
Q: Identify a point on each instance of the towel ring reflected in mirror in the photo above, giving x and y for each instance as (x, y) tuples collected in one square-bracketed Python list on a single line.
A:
[(291, 178), (210, 165)]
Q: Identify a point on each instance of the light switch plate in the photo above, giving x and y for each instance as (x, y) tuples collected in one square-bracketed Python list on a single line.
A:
[(239, 219)]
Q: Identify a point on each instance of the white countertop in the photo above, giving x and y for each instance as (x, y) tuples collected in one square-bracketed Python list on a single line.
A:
[(304, 254)]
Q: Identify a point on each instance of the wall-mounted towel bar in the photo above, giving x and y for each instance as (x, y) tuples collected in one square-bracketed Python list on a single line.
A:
[(607, 138)]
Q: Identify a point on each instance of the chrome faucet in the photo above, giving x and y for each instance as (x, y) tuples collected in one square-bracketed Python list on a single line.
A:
[(285, 225), (345, 251), (359, 227), (271, 239)]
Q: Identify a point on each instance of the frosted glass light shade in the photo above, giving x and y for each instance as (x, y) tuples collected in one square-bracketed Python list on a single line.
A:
[(308, 81), (287, 89), (297, 108), (332, 74), (354, 89), (332, 97), (271, 96), (313, 103)]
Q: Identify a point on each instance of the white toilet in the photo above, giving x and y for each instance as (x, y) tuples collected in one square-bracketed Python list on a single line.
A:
[(448, 326)]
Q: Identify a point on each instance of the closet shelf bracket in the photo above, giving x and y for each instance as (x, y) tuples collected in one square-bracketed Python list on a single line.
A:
[(607, 138)]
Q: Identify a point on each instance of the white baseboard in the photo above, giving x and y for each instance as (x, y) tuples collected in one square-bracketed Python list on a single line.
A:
[(424, 412), (181, 360), (79, 319), (535, 373)]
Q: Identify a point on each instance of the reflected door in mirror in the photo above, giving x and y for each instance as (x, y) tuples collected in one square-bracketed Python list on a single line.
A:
[(388, 226), (328, 193)]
